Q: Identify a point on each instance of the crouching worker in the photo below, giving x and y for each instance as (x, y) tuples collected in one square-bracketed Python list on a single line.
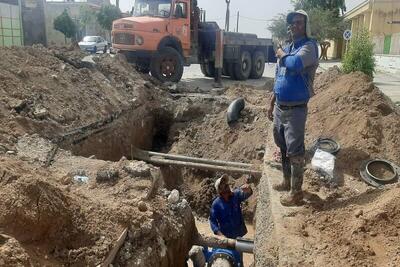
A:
[(226, 218)]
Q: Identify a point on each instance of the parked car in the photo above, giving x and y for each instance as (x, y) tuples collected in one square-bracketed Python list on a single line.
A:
[(93, 44)]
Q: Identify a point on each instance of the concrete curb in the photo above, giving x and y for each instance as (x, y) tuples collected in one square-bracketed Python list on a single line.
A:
[(278, 239)]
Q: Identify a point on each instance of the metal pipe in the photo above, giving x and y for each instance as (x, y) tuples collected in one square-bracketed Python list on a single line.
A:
[(240, 245), (144, 155), (200, 160), (233, 113), (246, 246), (202, 166)]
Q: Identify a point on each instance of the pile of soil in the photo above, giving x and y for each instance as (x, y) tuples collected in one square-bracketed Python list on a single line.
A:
[(61, 209), (211, 137), (363, 230), (356, 114), (52, 92), (58, 221), (350, 223)]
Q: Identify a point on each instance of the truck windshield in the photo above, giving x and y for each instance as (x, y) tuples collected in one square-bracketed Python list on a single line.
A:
[(153, 8)]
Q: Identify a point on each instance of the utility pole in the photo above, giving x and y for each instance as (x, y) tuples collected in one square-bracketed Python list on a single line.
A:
[(227, 15), (237, 22)]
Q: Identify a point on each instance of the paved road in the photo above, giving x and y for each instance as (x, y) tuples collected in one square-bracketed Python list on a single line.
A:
[(388, 83)]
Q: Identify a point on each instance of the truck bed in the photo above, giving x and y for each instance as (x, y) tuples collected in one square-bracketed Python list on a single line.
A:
[(236, 38)]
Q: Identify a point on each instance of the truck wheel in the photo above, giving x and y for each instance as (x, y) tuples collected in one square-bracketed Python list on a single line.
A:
[(167, 65), (257, 68), (243, 68), (142, 69), (208, 69)]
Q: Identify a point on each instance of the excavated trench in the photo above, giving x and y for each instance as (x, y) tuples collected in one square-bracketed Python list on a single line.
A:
[(159, 130)]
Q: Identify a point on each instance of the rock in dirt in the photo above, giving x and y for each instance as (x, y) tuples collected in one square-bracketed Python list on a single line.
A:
[(137, 169), (358, 213), (142, 206), (40, 113), (173, 198), (107, 175)]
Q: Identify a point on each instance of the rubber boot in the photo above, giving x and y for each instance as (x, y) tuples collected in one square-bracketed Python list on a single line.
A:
[(295, 196), (286, 170)]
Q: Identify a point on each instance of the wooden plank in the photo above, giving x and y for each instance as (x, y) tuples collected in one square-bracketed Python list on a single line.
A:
[(111, 256)]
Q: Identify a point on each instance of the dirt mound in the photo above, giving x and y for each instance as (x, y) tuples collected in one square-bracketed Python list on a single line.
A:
[(359, 116), (48, 223), (35, 210), (12, 253), (362, 230), (51, 92), (200, 197), (213, 138), (324, 79)]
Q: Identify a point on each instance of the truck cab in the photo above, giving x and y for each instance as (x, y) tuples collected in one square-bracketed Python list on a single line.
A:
[(156, 27), (162, 36)]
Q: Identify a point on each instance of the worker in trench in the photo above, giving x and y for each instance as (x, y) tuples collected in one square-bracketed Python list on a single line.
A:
[(293, 88), (226, 218)]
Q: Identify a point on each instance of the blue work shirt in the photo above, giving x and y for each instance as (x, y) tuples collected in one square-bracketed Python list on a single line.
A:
[(294, 76), (226, 216)]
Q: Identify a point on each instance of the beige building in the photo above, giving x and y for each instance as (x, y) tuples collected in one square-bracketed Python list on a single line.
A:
[(382, 19)]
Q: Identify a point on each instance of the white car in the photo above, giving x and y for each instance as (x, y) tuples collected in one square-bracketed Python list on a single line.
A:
[(93, 44)]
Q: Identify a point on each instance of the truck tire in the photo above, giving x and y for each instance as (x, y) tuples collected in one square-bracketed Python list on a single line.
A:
[(258, 65), (142, 67), (208, 69), (167, 65), (243, 67)]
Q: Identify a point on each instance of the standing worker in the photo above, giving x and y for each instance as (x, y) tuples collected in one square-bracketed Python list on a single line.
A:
[(294, 78)]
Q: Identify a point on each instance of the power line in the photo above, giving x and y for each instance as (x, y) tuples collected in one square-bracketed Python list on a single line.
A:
[(256, 19)]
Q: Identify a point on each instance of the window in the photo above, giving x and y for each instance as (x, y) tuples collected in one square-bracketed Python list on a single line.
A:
[(181, 10)]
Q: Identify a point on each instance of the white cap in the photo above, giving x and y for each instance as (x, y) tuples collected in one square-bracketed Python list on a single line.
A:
[(223, 179), (290, 16)]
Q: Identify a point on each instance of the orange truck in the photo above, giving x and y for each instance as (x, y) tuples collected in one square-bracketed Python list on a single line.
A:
[(163, 36)]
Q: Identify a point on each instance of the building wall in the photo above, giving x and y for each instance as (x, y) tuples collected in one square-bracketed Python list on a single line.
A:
[(54, 9), (33, 22), (376, 19), (10, 23)]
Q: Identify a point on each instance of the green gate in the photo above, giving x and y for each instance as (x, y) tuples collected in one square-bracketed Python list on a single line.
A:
[(10, 23), (386, 44)]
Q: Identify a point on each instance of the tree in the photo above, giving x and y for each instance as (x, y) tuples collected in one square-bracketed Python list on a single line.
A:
[(64, 24), (360, 54), (325, 24), (278, 27), (106, 16), (337, 6)]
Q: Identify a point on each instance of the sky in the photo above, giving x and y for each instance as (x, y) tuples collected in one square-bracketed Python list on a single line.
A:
[(255, 15)]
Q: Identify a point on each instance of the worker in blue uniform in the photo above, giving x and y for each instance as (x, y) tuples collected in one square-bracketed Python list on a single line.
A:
[(226, 216)]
